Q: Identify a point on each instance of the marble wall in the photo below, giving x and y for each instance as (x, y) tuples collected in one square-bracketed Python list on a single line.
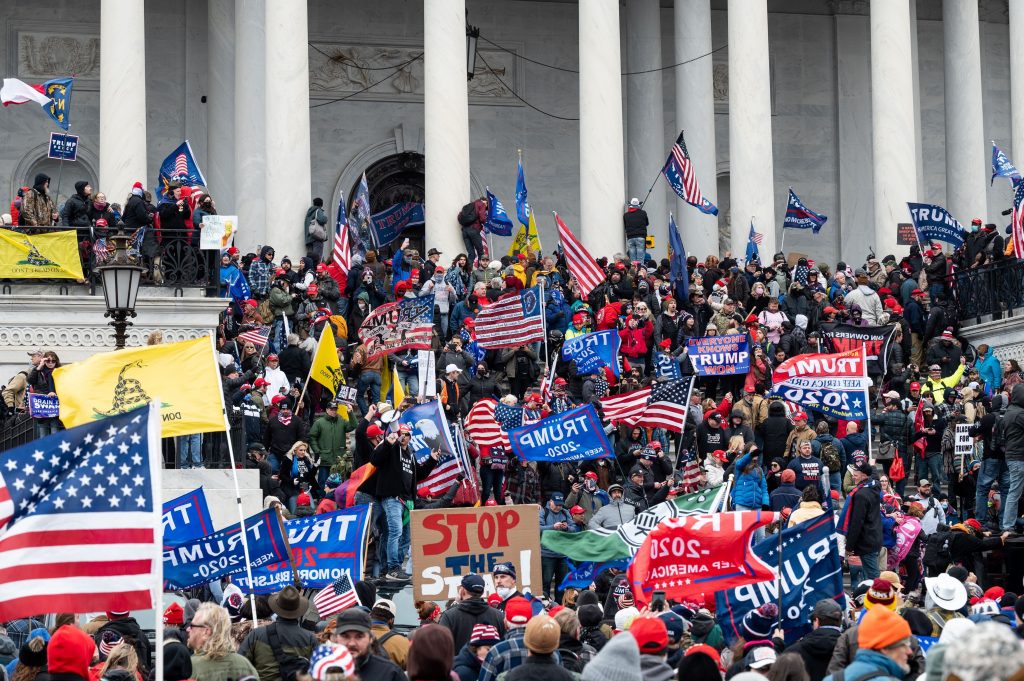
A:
[(820, 92)]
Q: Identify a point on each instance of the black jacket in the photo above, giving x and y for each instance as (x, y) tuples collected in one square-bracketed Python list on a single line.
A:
[(135, 214), (392, 468), (864, 533), (294, 362), (816, 650), (1013, 425), (76, 208), (635, 223), (129, 629), (775, 430), (540, 668), (461, 619)]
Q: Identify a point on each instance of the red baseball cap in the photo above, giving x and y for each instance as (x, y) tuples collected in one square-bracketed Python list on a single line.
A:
[(374, 431), (973, 524), (650, 633), (579, 509), (260, 382), (915, 386), (591, 475)]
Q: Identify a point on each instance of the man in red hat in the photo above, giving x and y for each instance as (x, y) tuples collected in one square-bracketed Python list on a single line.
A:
[(586, 496)]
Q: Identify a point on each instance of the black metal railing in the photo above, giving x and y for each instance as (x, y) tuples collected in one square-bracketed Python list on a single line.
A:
[(996, 290), (16, 430), (172, 257)]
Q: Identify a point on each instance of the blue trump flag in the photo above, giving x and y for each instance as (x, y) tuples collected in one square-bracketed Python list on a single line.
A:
[(811, 571), (193, 562), (574, 435), (238, 287), (753, 239), (386, 225), (325, 546), (934, 223), (360, 220), (187, 517), (180, 166), (680, 175), (680, 276), (1001, 166), (593, 350), (522, 201), (59, 108), (799, 216), (498, 221), (666, 366), (581, 575)]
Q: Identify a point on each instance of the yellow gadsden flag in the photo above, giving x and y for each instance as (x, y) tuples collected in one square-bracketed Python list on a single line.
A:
[(40, 256), (326, 367), (184, 376), (519, 243)]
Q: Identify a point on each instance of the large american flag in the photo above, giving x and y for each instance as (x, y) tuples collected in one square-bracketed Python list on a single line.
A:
[(341, 253), (336, 597), (667, 407), (481, 425), (514, 319), (582, 265), (678, 170), (78, 522), (1017, 219), (626, 407)]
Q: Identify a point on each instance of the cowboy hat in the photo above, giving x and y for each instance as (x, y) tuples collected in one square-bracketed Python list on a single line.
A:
[(289, 603), (946, 591)]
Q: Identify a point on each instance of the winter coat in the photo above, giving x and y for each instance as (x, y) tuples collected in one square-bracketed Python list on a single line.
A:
[(864, 519), (76, 208), (327, 437), (936, 269), (464, 615), (869, 662), (636, 341), (846, 651), (751, 488), (466, 665), (785, 496), (816, 650), (398, 472), (775, 430), (37, 207), (635, 222), (869, 302), (294, 640), (991, 372), (612, 515)]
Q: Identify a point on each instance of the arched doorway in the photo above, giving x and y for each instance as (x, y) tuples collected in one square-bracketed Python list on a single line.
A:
[(398, 178)]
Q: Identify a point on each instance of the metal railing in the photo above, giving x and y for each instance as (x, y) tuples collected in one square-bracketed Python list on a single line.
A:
[(996, 290)]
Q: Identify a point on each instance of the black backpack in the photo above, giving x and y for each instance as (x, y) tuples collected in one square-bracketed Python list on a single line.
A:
[(936, 550), (467, 216), (289, 666), (998, 436)]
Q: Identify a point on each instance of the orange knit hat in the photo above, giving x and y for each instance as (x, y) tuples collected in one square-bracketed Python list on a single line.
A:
[(880, 628)]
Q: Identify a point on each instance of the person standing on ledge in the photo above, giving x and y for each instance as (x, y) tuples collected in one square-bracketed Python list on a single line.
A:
[(635, 223)]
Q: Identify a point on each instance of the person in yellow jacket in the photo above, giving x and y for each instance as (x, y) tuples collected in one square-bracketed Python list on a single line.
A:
[(936, 385)]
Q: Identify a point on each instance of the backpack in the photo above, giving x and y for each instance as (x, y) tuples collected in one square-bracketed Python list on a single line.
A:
[(315, 221), (467, 216), (998, 439), (829, 455), (289, 666), (936, 550)]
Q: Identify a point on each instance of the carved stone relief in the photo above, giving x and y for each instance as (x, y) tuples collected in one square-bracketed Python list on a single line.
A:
[(86, 337), (44, 55)]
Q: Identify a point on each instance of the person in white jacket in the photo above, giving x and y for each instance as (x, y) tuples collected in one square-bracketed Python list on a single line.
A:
[(868, 300)]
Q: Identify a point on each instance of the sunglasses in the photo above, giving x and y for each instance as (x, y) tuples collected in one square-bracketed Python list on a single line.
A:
[(198, 626)]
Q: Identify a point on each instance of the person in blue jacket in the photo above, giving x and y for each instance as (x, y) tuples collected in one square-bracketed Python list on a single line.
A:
[(556, 310), (750, 491), (989, 368)]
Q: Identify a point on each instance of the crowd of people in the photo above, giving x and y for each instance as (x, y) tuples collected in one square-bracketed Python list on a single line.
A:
[(919, 520)]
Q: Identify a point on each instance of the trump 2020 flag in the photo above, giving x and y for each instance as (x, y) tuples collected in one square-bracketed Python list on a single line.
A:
[(811, 571), (1001, 166), (834, 384), (799, 216), (678, 171), (79, 524), (498, 221), (574, 435), (678, 272), (934, 223), (522, 200), (697, 554), (180, 166), (593, 350)]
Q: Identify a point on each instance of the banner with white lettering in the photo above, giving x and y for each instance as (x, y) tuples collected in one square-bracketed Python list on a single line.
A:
[(573, 435), (666, 366), (727, 355), (43, 406), (934, 223), (187, 517), (197, 561), (834, 385), (877, 340), (323, 548), (593, 350)]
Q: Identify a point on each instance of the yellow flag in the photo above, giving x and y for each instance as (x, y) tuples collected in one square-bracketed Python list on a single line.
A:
[(40, 256), (184, 376), (326, 368), (519, 243)]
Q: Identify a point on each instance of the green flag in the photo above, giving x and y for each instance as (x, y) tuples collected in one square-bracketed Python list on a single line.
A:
[(603, 545)]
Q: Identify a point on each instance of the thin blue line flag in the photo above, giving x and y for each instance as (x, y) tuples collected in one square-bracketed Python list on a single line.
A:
[(522, 201), (1001, 166), (179, 166), (799, 216), (498, 221), (680, 277)]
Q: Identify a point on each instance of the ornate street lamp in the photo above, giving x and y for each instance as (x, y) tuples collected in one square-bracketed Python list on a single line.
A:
[(121, 277), (472, 35)]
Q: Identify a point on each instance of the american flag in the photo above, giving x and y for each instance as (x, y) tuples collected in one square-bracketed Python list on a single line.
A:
[(181, 166), (341, 253), (756, 237), (481, 425), (514, 319), (582, 265), (678, 170), (691, 471), (406, 323), (627, 407), (667, 408), (448, 468), (1017, 219), (336, 597), (258, 336), (69, 494), (328, 656)]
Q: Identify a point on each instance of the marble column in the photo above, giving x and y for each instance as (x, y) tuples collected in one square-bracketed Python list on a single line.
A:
[(1016, 80), (220, 102), (893, 132), (122, 96), (967, 156), (602, 171), (751, 167), (288, 170), (695, 114), (446, 122), (250, 118), (646, 146)]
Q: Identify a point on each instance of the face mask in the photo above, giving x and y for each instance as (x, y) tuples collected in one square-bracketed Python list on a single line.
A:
[(590, 485), (504, 592)]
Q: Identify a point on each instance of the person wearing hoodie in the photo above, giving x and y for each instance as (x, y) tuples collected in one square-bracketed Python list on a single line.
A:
[(76, 208), (738, 427), (68, 654), (867, 299), (775, 430), (786, 495), (37, 206), (990, 369), (127, 627)]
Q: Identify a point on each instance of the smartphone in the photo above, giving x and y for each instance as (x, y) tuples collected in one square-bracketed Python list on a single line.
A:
[(658, 602)]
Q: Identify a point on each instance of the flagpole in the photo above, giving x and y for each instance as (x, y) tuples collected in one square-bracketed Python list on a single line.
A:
[(60, 167), (682, 431), (543, 320), (782, 244), (867, 396), (153, 445), (238, 491)]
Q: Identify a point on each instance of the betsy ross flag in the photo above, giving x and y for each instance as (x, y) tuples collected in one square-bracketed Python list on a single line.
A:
[(799, 216), (582, 265), (678, 170), (337, 597), (341, 253), (513, 320), (1017, 220), (63, 496), (667, 407)]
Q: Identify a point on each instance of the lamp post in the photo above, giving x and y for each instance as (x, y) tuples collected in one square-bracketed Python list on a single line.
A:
[(121, 277), (472, 35)]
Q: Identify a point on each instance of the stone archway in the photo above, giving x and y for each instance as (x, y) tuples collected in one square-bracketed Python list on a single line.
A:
[(35, 161), (399, 178)]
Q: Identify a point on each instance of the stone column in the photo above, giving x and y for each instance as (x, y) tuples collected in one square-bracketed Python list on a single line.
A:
[(602, 172), (446, 122), (695, 114), (122, 97), (751, 169), (286, 98), (250, 118), (220, 102), (645, 116), (1016, 80), (967, 156), (893, 132)]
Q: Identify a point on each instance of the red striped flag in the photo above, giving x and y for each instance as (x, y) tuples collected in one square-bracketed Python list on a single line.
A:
[(1017, 219), (336, 597), (627, 407), (448, 468), (341, 253), (481, 426), (582, 265), (258, 336), (667, 406), (514, 319), (756, 237)]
